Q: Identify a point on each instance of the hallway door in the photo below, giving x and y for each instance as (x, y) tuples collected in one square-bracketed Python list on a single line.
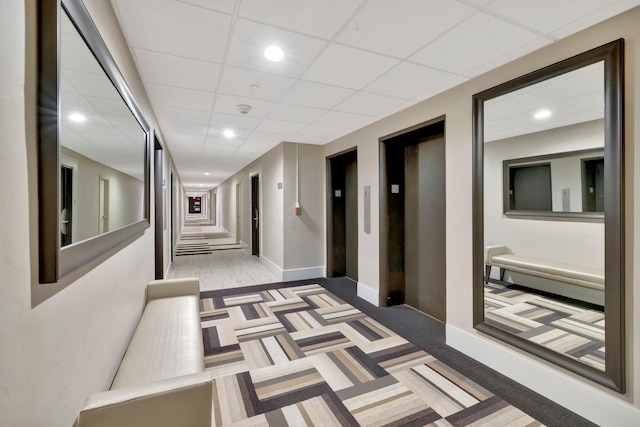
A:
[(342, 211), (255, 215)]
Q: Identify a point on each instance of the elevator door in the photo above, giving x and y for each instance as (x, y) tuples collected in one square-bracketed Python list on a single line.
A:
[(425, 227), (342, 210)]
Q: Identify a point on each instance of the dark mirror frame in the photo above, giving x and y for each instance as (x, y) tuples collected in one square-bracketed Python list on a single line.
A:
[(612, 54), (55, 262), (512, 213)]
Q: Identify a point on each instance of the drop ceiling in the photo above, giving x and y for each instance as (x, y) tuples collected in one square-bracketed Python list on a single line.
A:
[(348, 63)]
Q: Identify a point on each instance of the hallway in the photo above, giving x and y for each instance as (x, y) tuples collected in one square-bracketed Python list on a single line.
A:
[(222, 269)]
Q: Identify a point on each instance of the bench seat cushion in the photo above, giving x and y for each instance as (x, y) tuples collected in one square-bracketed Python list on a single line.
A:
[(167, 343), (578, 273)]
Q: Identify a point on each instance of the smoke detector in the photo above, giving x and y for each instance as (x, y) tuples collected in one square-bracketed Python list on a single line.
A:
[(244, 108)]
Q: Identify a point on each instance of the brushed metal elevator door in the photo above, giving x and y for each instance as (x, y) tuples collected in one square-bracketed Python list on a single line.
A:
[(425, 244)]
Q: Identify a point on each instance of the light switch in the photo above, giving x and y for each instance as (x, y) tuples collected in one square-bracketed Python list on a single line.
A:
[(338, 193), (395, 188)]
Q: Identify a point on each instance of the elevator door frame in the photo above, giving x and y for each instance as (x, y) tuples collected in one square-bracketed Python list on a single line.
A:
[(392, 281), (347, 266)]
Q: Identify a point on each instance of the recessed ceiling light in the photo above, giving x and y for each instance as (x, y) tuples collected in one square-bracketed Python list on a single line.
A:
[(229, 133), (542, 114), (207, 173), (274, 53), (77, 117)]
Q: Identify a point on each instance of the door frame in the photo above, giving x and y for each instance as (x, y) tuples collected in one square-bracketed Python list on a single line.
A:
[(158, 184), (386, 296), (330, 267), (255, 214)]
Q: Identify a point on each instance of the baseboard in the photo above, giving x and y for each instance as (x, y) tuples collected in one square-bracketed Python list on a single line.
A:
[(304, 273), (596, 405), (368, 294), (273, 268)]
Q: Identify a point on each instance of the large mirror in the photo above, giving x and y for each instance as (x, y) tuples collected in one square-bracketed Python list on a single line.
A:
[(548, 225), (93, 163)]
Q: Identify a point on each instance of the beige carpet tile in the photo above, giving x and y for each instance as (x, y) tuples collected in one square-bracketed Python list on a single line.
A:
[(569, 329), (300, 356)]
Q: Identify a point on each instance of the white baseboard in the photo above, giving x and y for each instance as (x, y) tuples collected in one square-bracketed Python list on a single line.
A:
[(598, 406), (369, 295), (273, 268), (304, 273)]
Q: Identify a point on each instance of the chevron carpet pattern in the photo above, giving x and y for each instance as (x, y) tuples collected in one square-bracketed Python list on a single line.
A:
[(300, 356), (566, 328)]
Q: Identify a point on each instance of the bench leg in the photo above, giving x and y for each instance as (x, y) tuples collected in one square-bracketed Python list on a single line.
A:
[(487, 272), (502, 274)]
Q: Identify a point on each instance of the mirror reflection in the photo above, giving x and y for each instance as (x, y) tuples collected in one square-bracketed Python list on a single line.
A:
[(544, 156), (102, 147)]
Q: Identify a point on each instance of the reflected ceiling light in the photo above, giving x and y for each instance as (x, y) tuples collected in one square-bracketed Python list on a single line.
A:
[(542, 114), (274, 53), (77, 117), (207, 173), (229, 133)]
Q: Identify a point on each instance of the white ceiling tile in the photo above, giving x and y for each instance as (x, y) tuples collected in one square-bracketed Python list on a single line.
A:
[(307, 139), (454, 81), (219, 5), (228, 104), (320, 131), (320, 19), (344, 120), (295, 113), (602, 14), (173, 27), (238, 81), (408, 80), (184, 141), (402, 106), (91, 84), (368, 104), (177, 71), (170, 96), (348, 67), (509, 56), (316, 95), (218, 140), (471, 45), (184, 128), (546, 15), (278, 126), (250, 39), (402, 33), (235, 121), (75, 103), (183, 115)]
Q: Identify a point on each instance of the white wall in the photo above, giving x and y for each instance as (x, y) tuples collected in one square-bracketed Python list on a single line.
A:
[(603, 406), (60, 342), (304, 237)]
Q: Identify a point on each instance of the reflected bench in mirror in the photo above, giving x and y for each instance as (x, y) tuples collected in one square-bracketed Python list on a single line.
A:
[(579, 282)]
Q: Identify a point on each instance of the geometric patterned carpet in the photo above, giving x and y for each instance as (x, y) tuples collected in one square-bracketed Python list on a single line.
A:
[(300, 356), (575, 331)]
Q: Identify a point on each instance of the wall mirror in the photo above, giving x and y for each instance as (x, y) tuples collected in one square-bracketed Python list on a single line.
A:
[(548, 214), (93, 145)]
